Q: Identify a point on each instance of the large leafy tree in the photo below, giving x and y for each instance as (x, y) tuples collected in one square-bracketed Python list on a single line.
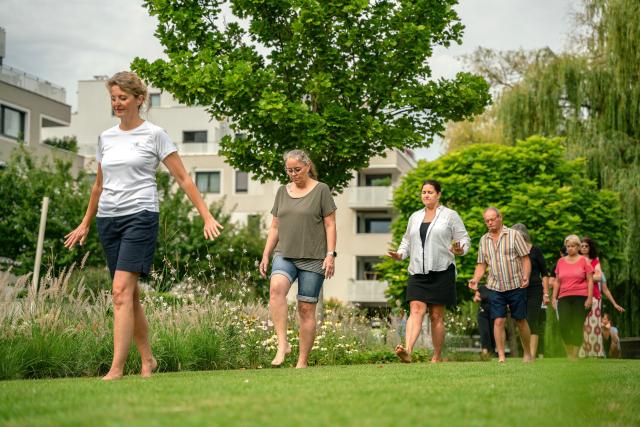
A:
[(343, 79), (531, 183), (182, 253), (590, 96), (23, 184)]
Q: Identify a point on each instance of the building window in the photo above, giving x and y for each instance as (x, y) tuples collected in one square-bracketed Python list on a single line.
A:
[(154, 100), (366, 267), (208, 182), (377, 180), (194, 136), (12, 122), (242, 182), (374, 222)]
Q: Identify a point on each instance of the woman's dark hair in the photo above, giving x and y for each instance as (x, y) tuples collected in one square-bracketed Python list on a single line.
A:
[(593, 249), (432, 182)]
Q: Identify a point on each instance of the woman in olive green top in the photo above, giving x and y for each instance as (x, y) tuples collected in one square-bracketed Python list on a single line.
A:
[(303, 233)]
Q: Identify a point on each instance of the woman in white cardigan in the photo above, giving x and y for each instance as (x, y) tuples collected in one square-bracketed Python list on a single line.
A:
[(434, 236)]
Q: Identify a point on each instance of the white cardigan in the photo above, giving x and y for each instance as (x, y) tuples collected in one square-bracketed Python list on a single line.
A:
[(447, 226)]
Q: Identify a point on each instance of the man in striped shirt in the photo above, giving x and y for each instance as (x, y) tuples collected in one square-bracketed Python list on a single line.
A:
[(505, 252)]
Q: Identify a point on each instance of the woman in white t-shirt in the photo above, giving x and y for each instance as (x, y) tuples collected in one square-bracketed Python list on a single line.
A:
[(124, 199)]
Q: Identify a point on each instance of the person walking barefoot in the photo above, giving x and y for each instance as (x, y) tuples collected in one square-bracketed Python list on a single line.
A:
[(432, 270), (303, 234), (124, 200)]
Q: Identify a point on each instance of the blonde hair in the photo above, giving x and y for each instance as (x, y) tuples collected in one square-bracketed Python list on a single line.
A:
[(573, 240), (302, 157), (130, 83)]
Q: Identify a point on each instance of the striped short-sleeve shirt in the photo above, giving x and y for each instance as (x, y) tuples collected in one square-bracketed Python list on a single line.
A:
[(503, 258)]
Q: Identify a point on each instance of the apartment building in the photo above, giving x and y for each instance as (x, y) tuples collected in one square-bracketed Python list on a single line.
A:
[(364, 210), (29, 104)]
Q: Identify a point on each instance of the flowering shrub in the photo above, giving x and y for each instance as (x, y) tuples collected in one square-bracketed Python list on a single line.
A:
[(65, 330), (462, 320)]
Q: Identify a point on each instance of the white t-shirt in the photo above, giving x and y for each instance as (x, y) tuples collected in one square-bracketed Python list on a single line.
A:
[(129, 159)]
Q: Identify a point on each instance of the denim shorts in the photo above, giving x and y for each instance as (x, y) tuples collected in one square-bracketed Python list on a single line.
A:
[(309, 283), (516, 299), (129, 241)]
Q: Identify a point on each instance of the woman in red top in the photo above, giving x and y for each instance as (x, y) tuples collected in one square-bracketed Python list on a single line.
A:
[(572, 294)]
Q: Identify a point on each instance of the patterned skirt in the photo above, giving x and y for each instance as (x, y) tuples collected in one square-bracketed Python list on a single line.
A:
[(592, 332)]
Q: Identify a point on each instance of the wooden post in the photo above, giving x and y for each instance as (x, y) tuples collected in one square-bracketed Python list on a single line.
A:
[(43, 226)]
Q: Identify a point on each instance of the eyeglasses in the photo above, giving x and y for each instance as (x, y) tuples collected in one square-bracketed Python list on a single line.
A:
[(293, 171)]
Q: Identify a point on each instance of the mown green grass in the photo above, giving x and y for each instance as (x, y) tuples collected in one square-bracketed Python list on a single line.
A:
[(550, 392)]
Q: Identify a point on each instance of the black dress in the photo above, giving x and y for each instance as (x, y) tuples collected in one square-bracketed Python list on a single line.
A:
[(435, 287), (536, 316)]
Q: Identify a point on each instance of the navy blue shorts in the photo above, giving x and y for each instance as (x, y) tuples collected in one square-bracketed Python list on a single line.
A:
[(515, 299), (129, 241)]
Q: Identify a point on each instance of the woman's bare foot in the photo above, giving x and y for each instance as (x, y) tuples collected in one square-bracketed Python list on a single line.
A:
[(403, 354), (299, 366), (436, 359), (111, 376), (148, 368), (280, 355)]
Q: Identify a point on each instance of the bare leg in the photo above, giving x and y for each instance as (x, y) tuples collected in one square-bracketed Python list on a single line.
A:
[(141, 336), (400, 351), (534, 346), (525, 338), (436, 315), (279, 312), (417, 310), (498, 332), (124, 284), (572, 351), (307, 315)]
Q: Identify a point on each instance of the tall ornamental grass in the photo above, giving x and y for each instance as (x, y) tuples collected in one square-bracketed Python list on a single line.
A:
[(65, 329)]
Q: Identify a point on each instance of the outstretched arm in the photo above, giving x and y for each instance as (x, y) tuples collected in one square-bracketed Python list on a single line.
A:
[(272, 240), (173, 162), (481, 268), (79, 235), (607, 292), (330, 229), (404, 248)]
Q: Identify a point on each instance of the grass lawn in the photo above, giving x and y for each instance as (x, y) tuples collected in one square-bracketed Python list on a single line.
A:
[(550, 392)]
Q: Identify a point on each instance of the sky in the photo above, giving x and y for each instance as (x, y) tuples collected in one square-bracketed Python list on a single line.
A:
[(66, 41)]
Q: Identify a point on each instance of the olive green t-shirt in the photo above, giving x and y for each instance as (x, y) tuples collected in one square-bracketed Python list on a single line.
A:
[(301, 232)]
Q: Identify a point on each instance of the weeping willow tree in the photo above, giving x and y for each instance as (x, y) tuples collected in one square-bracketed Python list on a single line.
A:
[(592, 98)]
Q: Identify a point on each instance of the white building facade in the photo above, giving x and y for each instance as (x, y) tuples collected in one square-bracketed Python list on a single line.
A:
[(29, 106), (364, 212)]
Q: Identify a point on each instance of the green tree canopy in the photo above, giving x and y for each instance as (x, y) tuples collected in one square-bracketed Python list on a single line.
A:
[(343, 79), (591, 96), (531, 183), (23, 184), (182, 252), (66, 143)]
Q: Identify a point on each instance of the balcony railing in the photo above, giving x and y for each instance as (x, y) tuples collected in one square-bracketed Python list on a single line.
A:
[(367, 291), (32, 83), (370, 197), (197, 148)]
